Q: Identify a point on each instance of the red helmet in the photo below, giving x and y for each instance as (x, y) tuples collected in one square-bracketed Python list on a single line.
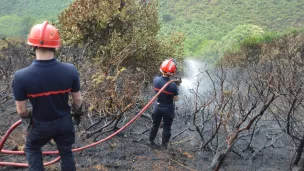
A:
[(168, 67), (44, 35)]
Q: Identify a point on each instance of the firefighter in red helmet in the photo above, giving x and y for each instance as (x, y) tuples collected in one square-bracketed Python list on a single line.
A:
[(164, 106), (47, 84)]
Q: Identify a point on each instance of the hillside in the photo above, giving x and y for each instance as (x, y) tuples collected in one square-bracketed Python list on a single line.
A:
[(39, 9), (205, 22), (16, 17)]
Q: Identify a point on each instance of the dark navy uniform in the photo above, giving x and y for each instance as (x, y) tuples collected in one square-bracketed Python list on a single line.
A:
[(47, 84), (163, 108)]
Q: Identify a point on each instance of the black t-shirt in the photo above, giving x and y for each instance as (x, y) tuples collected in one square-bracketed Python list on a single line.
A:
[(46, 83), (166, 97)]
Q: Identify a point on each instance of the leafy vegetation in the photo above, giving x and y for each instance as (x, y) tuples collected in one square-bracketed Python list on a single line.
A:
[(231, 41), (207, 23), (13, 26), (268, 37), (17, 17), (39, 9)]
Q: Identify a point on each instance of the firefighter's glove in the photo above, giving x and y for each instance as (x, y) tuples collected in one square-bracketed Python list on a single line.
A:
[(77, 113), (178, 81), (27, 121)]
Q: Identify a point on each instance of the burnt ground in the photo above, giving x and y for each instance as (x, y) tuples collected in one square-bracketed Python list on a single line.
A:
[(129, 150)]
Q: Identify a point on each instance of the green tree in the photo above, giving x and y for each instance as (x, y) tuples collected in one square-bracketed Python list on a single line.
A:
[(231, 42)]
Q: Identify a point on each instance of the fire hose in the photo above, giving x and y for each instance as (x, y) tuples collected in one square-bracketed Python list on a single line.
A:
[(15, 125)]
